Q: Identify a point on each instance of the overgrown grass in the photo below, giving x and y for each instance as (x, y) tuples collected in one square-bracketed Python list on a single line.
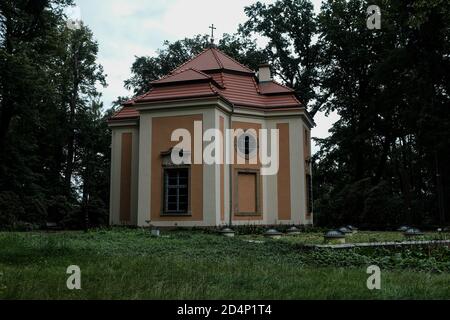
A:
[(130, 264)]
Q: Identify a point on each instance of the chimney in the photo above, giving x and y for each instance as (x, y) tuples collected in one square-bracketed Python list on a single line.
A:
[(264, 73)]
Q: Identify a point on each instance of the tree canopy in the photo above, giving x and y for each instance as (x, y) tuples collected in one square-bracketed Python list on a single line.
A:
[(53, 138)]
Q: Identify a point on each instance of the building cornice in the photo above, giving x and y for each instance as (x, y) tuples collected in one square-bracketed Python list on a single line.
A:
[(219, 103), (124, 123)]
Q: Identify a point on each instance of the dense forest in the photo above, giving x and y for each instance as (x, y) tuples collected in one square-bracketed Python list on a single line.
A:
[(385, 162)]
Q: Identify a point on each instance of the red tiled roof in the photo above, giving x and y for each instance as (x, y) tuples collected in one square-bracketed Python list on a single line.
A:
[(184, 75), (127, 112), (272, 87), (180, 91), (212, 73), (213, 59), (243, 90)]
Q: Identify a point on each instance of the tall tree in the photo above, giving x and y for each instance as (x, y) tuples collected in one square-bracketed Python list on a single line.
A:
[(376, 166), (48, 75), (81, 75), (29, 32), (289, 27), (25, 28), (93, 165)]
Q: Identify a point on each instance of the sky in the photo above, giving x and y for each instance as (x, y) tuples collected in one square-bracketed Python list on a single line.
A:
[(126, 29)]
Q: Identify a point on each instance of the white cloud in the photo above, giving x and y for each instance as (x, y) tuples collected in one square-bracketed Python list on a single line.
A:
[(73, 13), (188, 18), (123, 8), (324, 123)]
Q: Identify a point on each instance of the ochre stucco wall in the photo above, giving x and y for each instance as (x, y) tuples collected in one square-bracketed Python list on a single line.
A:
[(162, 128), (244, 189), (247, 192), (307, 156), (125, 177), (222, 171), (284, 174)]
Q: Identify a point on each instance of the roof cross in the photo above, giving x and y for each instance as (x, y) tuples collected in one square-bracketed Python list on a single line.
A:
[(212, 32)]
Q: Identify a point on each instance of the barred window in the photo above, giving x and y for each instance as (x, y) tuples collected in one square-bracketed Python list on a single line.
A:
[(176, 190)]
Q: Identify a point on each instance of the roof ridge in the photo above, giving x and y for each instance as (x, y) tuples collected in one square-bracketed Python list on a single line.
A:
[(144, 95), (164, 77), (186, 62), (174, 74), (298, 101), (198, 71), (256, 85), (234, 60), (133, 99), (218, 92), (211, 87), (217, 54), (217, 58), (283, 85), (222, 78)]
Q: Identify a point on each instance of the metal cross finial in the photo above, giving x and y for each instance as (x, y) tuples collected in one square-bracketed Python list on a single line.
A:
[(212, 32)]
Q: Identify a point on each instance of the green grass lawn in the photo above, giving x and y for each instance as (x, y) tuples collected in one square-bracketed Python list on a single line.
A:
[(130, 264)]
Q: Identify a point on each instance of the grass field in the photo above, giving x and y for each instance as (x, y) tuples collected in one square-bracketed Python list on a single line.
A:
[(130, 264)]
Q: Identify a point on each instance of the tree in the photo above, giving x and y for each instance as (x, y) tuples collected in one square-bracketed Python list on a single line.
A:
[(80, 74), (25, 28), (290, 27), (93, 163), (28, 44), (48, 75), (389, 88)]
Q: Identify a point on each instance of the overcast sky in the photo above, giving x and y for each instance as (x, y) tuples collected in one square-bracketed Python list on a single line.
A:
[(125, 29)]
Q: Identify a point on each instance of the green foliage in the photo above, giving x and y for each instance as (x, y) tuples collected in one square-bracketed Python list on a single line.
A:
[(389, 87), (289, 26), (10, 208), (130, 264), (53, 137)]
